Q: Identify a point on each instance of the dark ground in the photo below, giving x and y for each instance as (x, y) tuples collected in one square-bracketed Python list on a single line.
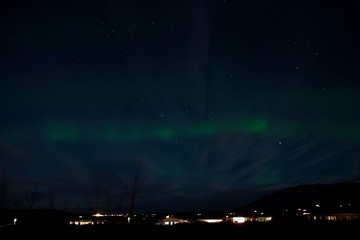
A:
[(325, 230)]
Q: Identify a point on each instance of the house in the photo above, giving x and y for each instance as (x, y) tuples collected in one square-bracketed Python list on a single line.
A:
[(240, 219), (334, 217), (210, 220), (170, 220)]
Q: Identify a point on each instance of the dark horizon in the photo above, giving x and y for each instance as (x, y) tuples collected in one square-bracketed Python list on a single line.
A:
[(82, 208)]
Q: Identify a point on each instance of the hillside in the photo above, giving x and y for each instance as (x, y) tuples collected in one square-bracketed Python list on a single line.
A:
[(316, 198)]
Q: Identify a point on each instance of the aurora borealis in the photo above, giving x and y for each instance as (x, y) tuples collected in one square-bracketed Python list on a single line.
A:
[(223, 100)]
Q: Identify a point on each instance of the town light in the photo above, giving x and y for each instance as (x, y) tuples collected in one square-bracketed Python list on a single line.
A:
[(239, 219)]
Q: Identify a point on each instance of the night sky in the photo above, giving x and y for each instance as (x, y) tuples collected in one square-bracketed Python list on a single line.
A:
[(221, 102)]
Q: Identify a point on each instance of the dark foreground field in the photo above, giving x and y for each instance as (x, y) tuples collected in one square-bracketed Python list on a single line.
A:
[(329, 230)]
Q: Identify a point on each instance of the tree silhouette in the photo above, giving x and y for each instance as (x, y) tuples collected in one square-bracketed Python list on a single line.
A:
[(114, 203), (93, 204), (51, 198), (131, 187), (30, 198), (5, 195)]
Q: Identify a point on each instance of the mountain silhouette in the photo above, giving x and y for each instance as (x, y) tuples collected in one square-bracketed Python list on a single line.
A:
[(343, 197)]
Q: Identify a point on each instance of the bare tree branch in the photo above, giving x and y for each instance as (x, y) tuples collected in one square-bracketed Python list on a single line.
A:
[(32, 196), (51, 198), (131, 188), (5, 196)]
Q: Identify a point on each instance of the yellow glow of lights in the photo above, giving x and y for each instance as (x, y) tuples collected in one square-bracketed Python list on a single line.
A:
[(239, 219), (211, 220), (98, 215)]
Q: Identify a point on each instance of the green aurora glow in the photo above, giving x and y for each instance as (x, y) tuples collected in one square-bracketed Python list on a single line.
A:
[(71, 132)]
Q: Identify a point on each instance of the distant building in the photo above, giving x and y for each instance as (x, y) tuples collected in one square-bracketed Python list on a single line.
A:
[(96, 219), (86, 221), (334, 217), (169, 220), (211, 220), (240, 219)]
